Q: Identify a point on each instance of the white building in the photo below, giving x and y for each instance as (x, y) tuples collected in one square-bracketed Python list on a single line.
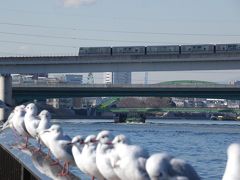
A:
[(117, 78)]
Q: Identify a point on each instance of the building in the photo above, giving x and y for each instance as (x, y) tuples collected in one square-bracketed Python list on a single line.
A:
[(122, 78), (107, 78), (73, 78), (117, 78), (216, 103), (65, 103)]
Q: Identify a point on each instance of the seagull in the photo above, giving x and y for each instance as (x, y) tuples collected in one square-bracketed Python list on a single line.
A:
[(8, 123), (59, 146), (232, 171), (17, 120), (103, 153), (77, 143), (128, 160), (31, 119), (162, 166), (89, 157), (44, 124)]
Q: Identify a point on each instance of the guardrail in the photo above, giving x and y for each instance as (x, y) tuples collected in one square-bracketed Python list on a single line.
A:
[(195, 85)]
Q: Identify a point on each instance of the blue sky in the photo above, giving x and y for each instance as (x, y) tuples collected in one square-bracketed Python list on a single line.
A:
[(110, 23), (59, 27)]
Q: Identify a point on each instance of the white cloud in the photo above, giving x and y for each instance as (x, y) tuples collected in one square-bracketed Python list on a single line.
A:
[(76, 3)]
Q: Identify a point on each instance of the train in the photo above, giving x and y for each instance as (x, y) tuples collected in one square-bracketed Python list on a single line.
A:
[(159, 50)]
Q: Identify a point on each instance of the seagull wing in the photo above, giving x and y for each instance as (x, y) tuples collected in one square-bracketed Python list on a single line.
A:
[(182, 168)]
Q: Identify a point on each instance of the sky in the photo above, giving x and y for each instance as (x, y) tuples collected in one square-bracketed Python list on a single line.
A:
[(60, 27)]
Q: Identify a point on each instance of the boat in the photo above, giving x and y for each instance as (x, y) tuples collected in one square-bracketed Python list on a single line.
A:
[(130, 117)]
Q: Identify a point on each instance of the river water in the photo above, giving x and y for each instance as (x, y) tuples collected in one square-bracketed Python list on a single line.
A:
[(202, 143)]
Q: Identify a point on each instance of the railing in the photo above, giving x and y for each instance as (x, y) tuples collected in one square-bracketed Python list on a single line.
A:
[(25, 164), (66, 84)]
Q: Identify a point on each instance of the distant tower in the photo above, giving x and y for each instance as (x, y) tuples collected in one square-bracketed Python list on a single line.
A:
[(90, 78), (146, 78), (108, 79)]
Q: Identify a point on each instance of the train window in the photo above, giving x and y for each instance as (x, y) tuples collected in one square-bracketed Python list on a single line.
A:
[(232, 47)]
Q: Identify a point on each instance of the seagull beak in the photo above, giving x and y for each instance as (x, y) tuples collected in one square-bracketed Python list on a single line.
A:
[(42, 132), (109, 143), (94, 141), (70, 143)]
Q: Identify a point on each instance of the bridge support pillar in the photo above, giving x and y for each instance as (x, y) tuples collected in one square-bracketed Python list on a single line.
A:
[(5, 94)]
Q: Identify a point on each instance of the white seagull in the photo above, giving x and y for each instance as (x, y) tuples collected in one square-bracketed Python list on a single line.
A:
[(31, 119), (77, 146), (128, 161), (60, 147), (44, 124), (162, 166), (89, 157), (8, 123), (232, 171), (103, 153), (18, 122)]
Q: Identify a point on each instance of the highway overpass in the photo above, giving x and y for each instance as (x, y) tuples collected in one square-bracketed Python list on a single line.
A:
[(23, 92), (133, 63)]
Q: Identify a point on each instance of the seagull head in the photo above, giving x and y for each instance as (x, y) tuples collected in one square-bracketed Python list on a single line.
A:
[(104, 137), (31, 109), (19, 110), (91, 139), (55, 128), (77, 139), (45, 114), (120, 139)]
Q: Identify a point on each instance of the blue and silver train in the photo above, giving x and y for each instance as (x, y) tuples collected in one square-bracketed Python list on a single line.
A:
[(159, 50)]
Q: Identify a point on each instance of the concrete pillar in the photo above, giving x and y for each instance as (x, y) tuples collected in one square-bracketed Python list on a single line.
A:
[(5, 94)]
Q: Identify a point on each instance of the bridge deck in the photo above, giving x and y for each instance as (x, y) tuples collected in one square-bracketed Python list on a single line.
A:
[(67, 64), (38, 91)]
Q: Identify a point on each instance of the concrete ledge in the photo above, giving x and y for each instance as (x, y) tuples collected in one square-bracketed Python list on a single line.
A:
[(16, 164)]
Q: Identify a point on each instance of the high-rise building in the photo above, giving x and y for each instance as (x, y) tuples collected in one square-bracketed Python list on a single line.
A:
[(107, 78), (117, 78)]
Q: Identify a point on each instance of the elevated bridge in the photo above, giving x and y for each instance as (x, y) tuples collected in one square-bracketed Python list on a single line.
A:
[(123, 63), (42, 91)]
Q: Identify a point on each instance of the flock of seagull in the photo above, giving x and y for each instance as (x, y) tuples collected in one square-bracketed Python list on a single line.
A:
[(103, 156)]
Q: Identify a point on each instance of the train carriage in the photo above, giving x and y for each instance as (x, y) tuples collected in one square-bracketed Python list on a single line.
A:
[(162, 50), (227, 48), (197, 49), (130, 50), (94, 51)]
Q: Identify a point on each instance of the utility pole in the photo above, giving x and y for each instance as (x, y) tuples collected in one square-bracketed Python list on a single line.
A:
[(146, 78)]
